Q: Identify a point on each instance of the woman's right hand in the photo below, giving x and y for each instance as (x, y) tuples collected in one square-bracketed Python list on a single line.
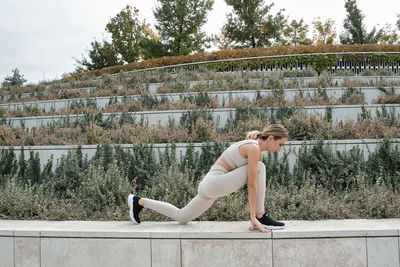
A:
[(256, 224)]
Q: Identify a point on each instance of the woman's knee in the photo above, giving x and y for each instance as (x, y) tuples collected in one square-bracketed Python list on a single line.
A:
[(200, 191), (261, 166)]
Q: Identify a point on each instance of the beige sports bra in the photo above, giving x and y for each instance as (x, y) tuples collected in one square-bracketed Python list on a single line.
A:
[(232, 155)]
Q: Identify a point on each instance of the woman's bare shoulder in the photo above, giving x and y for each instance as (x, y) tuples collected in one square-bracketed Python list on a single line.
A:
[(249, 148)]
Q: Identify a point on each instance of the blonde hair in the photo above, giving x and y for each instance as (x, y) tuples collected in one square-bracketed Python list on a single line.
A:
[(275, 130)]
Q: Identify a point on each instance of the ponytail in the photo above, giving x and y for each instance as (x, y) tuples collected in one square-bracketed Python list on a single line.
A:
[(253, 135), (275, 130)]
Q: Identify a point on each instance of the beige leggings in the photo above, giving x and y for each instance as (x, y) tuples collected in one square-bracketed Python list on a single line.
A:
[(218, 182)]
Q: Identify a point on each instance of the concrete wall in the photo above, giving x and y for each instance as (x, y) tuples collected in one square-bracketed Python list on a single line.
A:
[(220, 116), (302, 243), (299, 81), (6, 98), (370, 93), (291, 148)]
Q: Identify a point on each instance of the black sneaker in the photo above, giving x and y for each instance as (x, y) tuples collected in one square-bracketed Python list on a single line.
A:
[(270, 223), (134, 208)]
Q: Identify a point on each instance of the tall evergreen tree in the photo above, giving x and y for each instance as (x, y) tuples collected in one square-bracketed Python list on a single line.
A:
[(355, 30), (126, 33), (251, 25), (179, 24), (398, 21), (151, 44)]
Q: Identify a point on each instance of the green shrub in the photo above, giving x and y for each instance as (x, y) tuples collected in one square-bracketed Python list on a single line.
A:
[(103, 192), (324, 184)]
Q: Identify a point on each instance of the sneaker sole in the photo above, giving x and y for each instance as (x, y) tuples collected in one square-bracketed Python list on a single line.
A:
[(130, 203), (269, 227)]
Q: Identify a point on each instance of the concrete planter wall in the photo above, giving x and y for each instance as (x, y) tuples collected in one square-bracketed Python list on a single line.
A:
[(298, 81), (291, 147), (370, 94), (301, 243), (6, 98), (220, 116)]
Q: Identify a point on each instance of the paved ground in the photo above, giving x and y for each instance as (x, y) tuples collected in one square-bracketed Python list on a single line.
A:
[(202, 229)]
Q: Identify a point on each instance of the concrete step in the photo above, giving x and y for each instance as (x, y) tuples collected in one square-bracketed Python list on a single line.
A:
[(220, 116), (361, 242), (6, 98), (223, 97), (296, 81)]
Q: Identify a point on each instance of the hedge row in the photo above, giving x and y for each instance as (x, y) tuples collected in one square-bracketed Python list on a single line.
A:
[(318, 62), (323, 185)]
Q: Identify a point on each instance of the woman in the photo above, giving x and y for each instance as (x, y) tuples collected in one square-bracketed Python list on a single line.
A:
[(239, 164)]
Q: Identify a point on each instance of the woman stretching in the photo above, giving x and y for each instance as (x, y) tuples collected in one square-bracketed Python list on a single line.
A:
[(239, 164)]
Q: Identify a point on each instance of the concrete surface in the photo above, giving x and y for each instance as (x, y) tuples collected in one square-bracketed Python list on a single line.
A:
[(121, 243)]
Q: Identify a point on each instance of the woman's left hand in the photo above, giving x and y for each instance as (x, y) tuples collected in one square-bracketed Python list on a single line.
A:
[(256, 224)]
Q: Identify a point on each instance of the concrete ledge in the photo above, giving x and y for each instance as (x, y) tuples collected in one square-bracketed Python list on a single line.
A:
[(301, 243), (370, 94), (220, 116)]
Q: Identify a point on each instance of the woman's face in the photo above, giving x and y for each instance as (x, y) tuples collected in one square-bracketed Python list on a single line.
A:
[(275, 145)]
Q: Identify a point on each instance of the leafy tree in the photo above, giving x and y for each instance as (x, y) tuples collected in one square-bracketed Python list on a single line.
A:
[(179, 25), (324, 31), (296, 34), (126, 33), (16, 79), (250, 25), (387, 35), (355, 30), (222, 42), (101, 55)]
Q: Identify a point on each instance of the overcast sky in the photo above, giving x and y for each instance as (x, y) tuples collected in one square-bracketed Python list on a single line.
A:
[(41, 37)]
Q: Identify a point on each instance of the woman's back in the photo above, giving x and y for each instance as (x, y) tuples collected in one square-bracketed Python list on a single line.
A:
[(232, 154)]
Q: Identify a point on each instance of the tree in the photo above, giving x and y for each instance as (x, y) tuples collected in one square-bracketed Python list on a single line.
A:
[(355, 30), (387, 35), (222, 42), (101, 55), (296, 34), (151, 45), (16, 79), (250, 25), (126, 33), (179, 24), (324, 32), (398, 21)]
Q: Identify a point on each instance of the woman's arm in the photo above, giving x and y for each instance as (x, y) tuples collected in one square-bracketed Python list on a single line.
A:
[(253, 152), (253, 155)]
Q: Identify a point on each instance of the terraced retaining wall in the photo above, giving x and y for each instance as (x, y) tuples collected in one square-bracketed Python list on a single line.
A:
[(370, 94), (165, 117), (302, 243), (296, 81)]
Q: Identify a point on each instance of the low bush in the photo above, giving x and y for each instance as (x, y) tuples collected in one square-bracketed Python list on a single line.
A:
[(324, 184)]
